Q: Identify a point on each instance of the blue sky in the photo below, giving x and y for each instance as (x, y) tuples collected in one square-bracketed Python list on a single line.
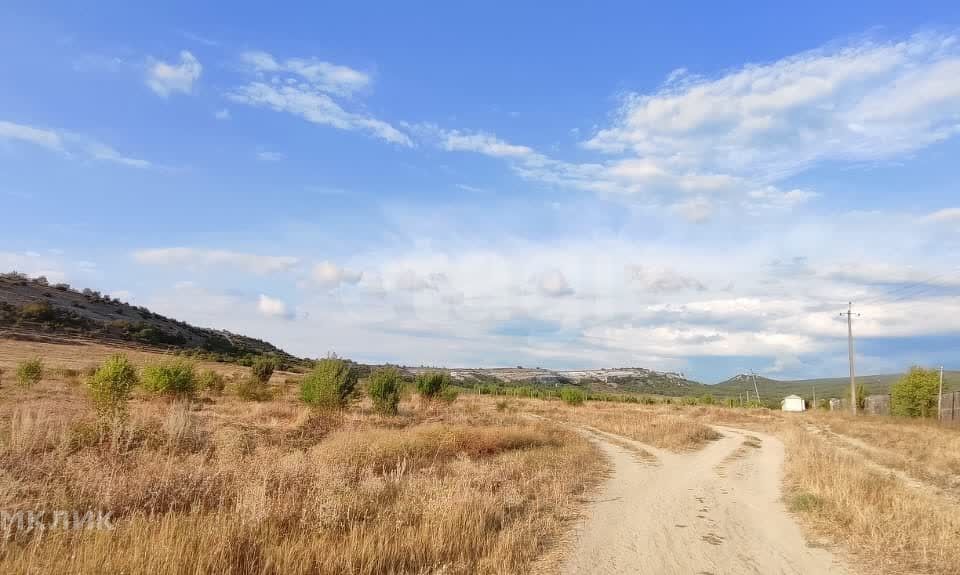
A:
[(679, 186)]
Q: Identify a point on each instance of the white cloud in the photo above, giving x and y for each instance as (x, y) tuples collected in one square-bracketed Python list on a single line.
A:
[(70, 144), (167, 78), (193, 257), (41, 137), (222, 114), (553, 283), (306, 88), (265, 156), (330, 78), (863, 101), (944, 215), (701, 144), (272, 307), (328, 274)]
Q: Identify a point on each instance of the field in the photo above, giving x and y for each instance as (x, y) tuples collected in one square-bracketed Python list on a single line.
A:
[(480, 485)]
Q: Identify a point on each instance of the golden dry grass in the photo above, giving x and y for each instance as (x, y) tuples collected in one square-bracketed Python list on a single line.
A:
[(224, 486), (888, 526), (659, 426)]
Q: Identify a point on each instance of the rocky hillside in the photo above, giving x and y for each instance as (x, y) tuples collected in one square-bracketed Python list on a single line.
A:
[(613, 380), (36, 309)]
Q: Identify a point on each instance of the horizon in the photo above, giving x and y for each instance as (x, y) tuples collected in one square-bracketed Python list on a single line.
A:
[(688, 189)]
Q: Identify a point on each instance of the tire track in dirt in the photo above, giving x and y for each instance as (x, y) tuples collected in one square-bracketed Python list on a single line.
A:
[(716, 510)]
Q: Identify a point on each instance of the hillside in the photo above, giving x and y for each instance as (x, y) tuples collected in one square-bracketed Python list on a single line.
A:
[(33, 309), (826, 387), (612, 380)]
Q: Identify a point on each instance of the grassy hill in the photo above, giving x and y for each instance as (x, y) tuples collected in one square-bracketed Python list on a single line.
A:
[(33, 309), (826, 387)]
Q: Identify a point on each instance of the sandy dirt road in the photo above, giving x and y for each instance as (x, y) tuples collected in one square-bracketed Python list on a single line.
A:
[(714, 511)]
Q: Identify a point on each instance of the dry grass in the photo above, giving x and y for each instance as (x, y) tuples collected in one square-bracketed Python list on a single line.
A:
[(224, 486), (890, 527), (659, 426), (923, 449)]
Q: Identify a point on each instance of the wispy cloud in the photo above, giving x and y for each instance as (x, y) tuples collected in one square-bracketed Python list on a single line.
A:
[(328, 274), (307, 88), (166, 78), (69, 144), (267, 156), (194, 257), (273, 307)]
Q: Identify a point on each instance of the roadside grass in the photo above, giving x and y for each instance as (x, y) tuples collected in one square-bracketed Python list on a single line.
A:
[(922, 448), (887, 525), (227, 486)]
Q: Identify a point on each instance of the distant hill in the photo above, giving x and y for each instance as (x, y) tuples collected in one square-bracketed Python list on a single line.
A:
[(35, 309), (612, 380), (826, 387)]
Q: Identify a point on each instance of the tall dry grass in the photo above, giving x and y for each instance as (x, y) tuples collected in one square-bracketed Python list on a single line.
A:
[(888, 526), (224, 486)]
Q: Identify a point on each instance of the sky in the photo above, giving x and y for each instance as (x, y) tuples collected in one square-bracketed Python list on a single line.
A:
[(677, 186)]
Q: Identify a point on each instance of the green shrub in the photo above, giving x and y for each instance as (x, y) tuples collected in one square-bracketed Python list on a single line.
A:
[(449, 394), (211, 381), (430, 384), (384, 390), (262, 368), (110, 387), (915, 395), (30, 371), (249, 388), (572, 395), (174, 377), (330, 385)]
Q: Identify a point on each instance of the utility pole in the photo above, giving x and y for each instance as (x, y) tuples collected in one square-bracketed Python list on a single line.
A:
[(940, 397), (814, 396), (755, 389), (853, 376)]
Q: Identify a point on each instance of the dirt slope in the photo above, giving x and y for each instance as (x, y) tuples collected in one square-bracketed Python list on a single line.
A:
[(714, 511)]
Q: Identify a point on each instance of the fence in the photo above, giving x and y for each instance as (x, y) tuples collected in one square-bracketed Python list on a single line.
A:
[(880, 405), (950, 410)]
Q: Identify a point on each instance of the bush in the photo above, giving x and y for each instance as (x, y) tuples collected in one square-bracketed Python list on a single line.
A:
[(384, 390), (211, 381), (30, 371), (262, 368), (110, 387), (915, 395), (572, 396), (174, 377), (330, 385), (449, 395), (249, 388), (430, 384)]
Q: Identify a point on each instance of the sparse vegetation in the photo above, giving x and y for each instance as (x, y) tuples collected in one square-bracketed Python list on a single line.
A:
[(383, 387), (330, 385), (29, 372), (263, 368), (572, 396), (430, 384), (110, 388), (211, 382), (171, 377)]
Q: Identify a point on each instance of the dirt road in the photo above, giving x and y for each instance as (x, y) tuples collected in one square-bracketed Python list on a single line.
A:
[(714, 511)]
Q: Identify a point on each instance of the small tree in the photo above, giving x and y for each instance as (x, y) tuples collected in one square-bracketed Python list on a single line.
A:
[(915, 395), (173, 377), (330, 385), (262, 368), (110, 388), (30, 372), (430, 384), (384, 389)]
